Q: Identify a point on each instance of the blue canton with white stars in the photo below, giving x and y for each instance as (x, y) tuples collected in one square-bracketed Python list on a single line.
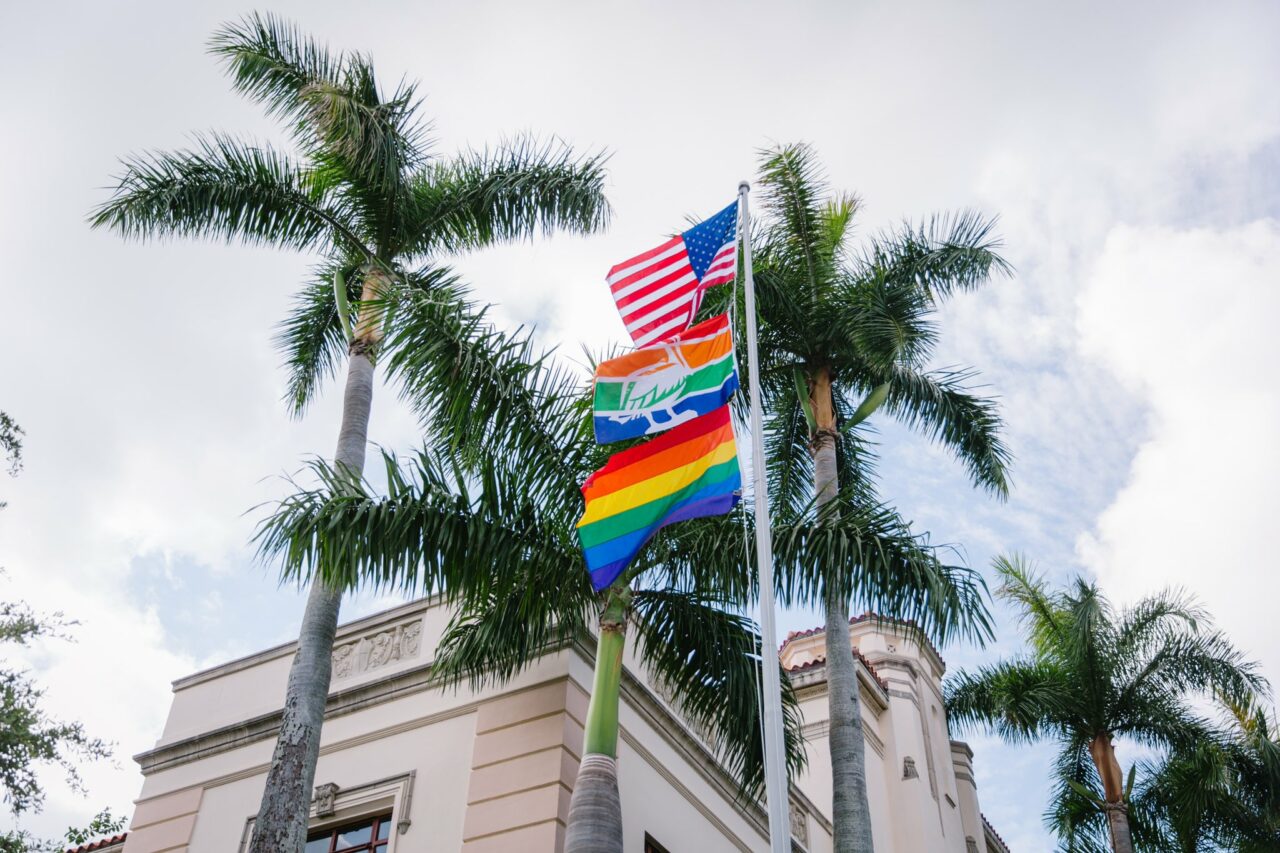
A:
[(705, 239)]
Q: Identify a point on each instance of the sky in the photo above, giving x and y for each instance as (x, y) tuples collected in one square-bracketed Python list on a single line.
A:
[(1130, 151)]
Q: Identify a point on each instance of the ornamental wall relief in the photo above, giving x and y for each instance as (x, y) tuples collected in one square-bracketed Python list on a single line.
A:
[(799, 823), (378, 649)]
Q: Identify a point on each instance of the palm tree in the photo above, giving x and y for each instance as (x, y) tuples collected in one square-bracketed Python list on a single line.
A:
[(505, 495), (1094, 674), (362, 191), (843, 335), (1222, 792)]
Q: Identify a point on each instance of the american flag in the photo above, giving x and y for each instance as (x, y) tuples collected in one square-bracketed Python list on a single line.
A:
[(659, 292)]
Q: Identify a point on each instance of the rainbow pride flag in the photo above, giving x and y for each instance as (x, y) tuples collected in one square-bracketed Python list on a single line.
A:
[(688, 472), (666, 384)]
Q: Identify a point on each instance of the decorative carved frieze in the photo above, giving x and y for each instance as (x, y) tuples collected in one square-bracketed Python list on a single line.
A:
[(799, 823), (377, 649)]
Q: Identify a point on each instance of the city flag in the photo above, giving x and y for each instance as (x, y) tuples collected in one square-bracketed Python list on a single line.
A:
[(688, 472), (656, 388), (659, 292)]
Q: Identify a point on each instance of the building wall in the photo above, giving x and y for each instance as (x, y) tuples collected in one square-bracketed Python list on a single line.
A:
[(919, 799), (465, 771), (493, 770)]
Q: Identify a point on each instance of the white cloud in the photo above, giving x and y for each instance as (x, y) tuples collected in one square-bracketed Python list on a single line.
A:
[(150, 392), (114, 675), (1187, 319)]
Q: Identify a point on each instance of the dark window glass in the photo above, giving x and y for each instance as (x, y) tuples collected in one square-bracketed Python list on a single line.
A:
[(358, 837), (651, 846), (366, 836)]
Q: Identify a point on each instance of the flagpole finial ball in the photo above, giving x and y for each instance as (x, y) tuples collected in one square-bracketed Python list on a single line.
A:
[(744, 186)]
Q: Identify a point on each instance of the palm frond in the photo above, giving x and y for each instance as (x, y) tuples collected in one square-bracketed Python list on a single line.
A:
[(311, 338), (508, 193), (793, 188), (506, 452), (428, 533), (224, 188), (273, 62), (790, 331), (1143, 628), (1075, 818), (868, 549), (1041, 612), (709, 657), (375, 141), (1206, 659), (483, 391), (855, 452), (945, 254), (1191, 799), (1019, 699), (1088, 642), (887, 322), (941, 405), (837, 221), (496, 635), (339, 113), (790, 465)]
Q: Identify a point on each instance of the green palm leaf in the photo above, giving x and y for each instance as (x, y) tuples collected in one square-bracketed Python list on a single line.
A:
[(940, 404), (273, 62), (230, 190), (946, 254), (508, 193), (1094, 673), (709, 659), (312, 338)]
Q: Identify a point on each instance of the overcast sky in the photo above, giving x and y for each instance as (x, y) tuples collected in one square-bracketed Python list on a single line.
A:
[(1130, 151)]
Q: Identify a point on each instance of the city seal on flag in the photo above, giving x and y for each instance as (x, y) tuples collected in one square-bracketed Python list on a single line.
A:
[(664, 385)]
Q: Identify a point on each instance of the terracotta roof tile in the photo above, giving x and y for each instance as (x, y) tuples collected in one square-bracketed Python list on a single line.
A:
[(986, 824), (100, 844), (854, 620), (817, 662)]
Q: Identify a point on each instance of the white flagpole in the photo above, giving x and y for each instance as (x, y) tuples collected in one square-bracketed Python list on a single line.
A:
[(775, 769)]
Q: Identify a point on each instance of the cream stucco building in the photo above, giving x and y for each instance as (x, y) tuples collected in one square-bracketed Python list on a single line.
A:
[(406, 767)]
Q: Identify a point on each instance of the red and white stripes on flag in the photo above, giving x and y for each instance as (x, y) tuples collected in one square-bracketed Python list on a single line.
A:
[(658, 293)]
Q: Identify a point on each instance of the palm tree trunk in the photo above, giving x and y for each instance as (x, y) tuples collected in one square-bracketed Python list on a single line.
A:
[(850, 808), (281, 825), (595, 809), (1117, 811)]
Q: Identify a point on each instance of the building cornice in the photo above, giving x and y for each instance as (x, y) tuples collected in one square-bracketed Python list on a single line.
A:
[(878, 622), (418, 679), (894, 662), (345, 632), (811, 680), (266, 726)]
